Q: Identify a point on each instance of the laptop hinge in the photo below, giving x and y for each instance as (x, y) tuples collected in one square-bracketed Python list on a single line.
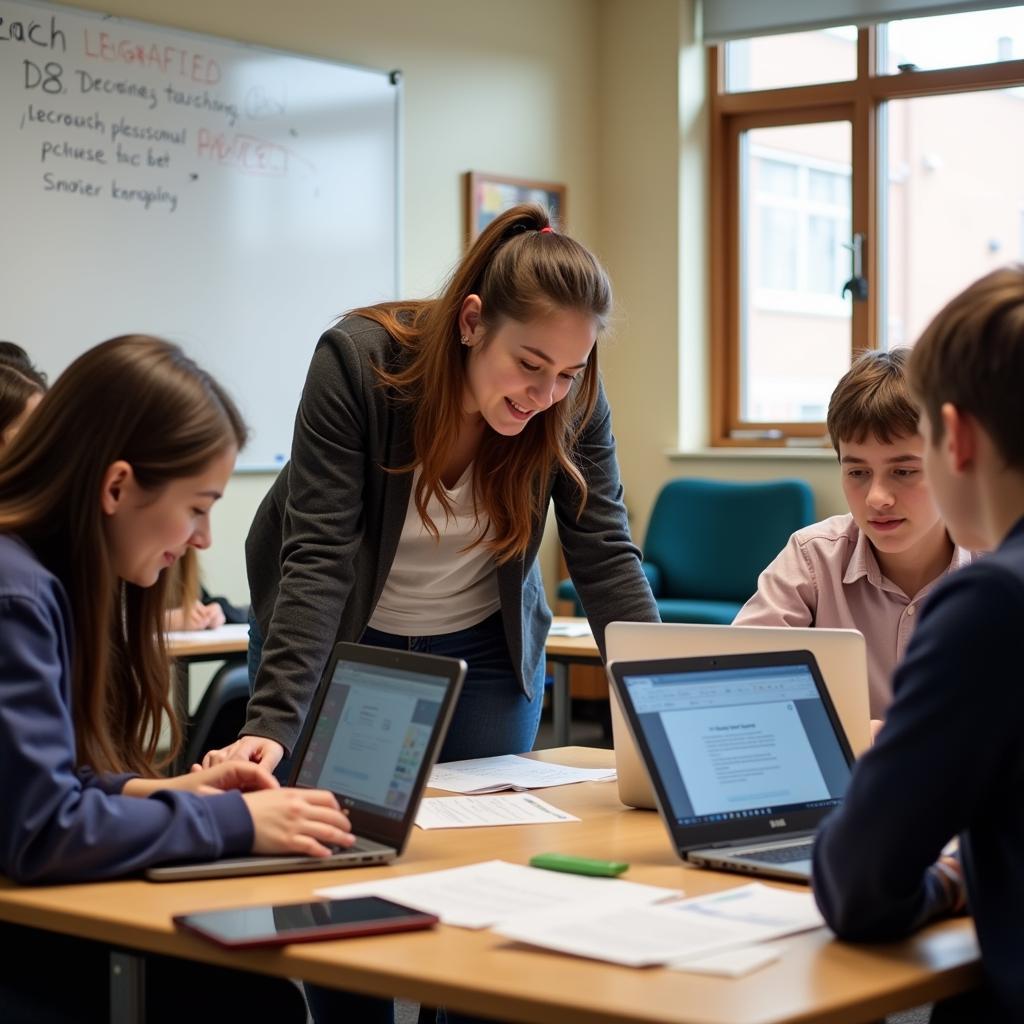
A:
[(777, 837)]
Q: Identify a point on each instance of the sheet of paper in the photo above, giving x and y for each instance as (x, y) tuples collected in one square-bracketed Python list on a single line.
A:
[(570, 629), (474, 811), (757, 906), (510, 771), (482, 895), (632, 936), (672, 932), (222, 634), (732, 964)]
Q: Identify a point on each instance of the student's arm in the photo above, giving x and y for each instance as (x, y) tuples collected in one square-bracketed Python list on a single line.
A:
[(244, 776), (57, 824), (602, 559), (194, 615), (948, 749), (787, 592), (322, 530)]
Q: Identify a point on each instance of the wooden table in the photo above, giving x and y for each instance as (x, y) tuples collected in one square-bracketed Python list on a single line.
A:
[(816, 980)]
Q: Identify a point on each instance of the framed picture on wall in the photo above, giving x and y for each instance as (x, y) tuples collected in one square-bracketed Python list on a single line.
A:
[(487, 195)]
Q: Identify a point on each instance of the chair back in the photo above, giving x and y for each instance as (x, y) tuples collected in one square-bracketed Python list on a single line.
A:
[(221, 712), (712, 538)]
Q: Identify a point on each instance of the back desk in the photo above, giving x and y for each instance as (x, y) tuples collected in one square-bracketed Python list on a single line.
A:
[(817, 979)]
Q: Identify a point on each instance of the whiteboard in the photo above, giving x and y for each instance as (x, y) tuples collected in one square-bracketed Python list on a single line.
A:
[(231, 198)]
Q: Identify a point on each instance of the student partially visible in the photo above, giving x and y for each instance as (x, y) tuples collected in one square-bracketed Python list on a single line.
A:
[(950, 760), (871, 569), (188, 608), (19, 395), (15, 356), (111, 481)]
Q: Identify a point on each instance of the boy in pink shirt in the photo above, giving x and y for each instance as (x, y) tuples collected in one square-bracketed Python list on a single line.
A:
[(868, 570)]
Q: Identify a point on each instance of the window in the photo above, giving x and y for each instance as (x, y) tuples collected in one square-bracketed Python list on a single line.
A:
[(845, 212), (794, 221), (797, 58)]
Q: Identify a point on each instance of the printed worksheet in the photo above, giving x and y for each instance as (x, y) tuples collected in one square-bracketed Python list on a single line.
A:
[(476, 811)]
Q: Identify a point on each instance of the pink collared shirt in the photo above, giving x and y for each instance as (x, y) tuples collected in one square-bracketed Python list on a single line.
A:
[(827, 575)]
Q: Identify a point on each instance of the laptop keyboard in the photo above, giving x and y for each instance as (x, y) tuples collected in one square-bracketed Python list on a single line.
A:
[(359, 846), (780, 854)]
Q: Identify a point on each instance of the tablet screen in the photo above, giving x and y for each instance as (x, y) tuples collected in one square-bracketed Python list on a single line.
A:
[(303, 922)]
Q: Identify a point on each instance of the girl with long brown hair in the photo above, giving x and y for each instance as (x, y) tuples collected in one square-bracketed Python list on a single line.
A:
[(431, 437), (109, 483)]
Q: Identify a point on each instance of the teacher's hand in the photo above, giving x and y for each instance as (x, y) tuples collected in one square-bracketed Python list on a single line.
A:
[(264, 752)]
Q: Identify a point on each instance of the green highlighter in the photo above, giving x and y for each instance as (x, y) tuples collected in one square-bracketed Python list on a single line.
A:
[(578, 865)]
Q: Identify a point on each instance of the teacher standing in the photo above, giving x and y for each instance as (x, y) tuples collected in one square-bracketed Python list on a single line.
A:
[(430, 439)]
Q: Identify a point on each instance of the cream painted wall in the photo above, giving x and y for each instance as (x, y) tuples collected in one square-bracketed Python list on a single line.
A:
[(487, 86)]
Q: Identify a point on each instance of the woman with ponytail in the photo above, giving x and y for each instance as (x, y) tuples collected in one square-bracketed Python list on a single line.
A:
[(431, 437)]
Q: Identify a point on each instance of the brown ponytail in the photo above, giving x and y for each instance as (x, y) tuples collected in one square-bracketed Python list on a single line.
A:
[(520, 274)]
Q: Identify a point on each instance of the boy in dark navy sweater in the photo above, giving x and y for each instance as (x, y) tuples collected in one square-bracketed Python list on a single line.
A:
[(950, 759)]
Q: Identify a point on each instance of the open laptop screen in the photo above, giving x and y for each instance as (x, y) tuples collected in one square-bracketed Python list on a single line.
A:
[(737, 738), (372, 735)]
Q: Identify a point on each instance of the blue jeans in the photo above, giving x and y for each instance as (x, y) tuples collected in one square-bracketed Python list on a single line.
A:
[(492, 717)]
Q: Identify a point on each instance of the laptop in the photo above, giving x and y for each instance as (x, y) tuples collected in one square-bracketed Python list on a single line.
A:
[(375, 729), (745, 752), (840, 653)]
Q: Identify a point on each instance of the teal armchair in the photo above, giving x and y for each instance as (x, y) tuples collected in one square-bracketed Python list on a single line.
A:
[(708, 540)]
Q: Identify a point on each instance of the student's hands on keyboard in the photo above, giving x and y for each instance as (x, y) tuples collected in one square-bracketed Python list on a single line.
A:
[(297, 821)]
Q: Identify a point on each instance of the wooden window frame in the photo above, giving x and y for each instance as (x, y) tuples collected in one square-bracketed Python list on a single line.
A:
[(858, 101)]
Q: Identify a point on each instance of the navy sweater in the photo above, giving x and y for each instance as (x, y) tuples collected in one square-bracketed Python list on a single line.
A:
[(950, 761), (59, 822)]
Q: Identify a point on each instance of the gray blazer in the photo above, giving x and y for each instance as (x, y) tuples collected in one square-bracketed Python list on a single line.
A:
[(325, 536)]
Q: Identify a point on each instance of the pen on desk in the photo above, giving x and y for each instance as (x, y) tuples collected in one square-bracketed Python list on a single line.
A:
[(578, 865)]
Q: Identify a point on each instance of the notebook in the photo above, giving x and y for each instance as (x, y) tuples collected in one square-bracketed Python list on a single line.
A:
[(376, 726), (745, 753), (840, 653)]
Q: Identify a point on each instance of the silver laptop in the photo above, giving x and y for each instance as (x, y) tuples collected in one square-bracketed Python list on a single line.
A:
[(840, 653), (745, 752), (374, 733)]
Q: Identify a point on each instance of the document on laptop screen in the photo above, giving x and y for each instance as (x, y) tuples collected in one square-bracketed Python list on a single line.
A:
[(740, 740), (372, 734)]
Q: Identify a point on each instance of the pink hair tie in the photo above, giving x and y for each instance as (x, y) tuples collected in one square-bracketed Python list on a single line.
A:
[(546, 231)]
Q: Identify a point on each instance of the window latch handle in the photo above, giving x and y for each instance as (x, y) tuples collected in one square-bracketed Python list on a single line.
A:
[(857, 285)]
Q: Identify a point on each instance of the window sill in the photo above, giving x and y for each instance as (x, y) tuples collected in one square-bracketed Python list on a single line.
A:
[(795, 454)]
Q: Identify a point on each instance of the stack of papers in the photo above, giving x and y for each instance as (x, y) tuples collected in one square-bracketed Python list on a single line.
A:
[(509, 771), (487, 894), (670, 933), (475, 811)]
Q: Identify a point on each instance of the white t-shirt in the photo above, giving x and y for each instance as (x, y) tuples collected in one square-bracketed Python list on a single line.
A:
[(435, 586)]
